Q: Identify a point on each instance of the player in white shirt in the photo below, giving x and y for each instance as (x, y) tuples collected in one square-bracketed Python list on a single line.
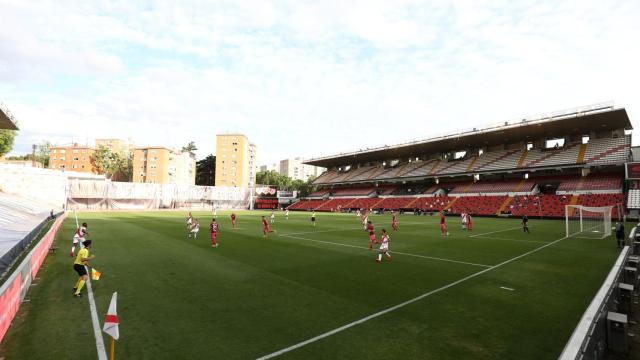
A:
[(215, 211), (79, 237), (463, 220), (384, 246), (273, 217), (286, 214), (365, 219), (189, 220), (195, 228)]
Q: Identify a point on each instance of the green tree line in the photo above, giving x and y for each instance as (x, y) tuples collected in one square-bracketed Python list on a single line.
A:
[(283, 182)]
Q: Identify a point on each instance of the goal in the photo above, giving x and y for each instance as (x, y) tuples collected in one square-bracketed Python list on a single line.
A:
[(588, 222)]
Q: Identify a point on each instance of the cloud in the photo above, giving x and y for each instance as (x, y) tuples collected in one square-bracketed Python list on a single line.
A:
[(307, 78)]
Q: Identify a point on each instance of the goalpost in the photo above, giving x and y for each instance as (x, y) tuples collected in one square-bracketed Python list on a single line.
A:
[(588, 222)]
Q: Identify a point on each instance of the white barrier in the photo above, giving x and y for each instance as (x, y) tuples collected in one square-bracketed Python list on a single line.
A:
[(15, 288), (107, 195)]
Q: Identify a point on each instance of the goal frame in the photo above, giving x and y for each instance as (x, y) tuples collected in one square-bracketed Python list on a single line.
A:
[(606, 211)]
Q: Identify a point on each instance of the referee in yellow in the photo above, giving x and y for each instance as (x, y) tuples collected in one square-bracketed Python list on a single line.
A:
[(82, 260)]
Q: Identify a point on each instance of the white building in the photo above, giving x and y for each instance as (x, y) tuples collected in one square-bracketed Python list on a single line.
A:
[(183, 167), (271, 167), (295, 169)]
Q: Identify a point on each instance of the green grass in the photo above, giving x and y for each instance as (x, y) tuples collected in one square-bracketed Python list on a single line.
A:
[(182, 299)]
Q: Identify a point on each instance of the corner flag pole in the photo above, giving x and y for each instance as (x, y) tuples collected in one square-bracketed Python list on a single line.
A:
[(113, 349), (75, 213)]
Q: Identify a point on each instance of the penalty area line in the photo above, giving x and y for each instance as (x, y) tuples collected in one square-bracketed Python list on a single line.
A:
[(392, 252), (403, 304), (321, 231), (495, 232)]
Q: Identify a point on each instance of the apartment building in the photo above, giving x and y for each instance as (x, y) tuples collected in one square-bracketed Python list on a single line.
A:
[(296, 170), (161, 165), (120, 146), (72, 157), (235, 161)]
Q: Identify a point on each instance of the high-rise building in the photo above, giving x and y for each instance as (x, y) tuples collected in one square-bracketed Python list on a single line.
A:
[(72, 157), (120, 146), (161, 165), (271, 167), (235, 161), (296, 170)]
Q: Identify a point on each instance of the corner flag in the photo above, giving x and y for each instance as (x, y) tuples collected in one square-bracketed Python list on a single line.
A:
[(111, 320)]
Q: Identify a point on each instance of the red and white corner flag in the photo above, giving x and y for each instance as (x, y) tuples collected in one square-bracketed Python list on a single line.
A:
[(111, 320)]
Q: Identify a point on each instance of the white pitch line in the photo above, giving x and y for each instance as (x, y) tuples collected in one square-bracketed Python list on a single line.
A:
[(508, 239), (320, 231), (393, 252), (403, 304), (506, 288), (495, 232), (102, 352)]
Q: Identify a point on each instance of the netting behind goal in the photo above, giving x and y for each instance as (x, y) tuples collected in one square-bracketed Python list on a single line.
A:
[(588, 222)]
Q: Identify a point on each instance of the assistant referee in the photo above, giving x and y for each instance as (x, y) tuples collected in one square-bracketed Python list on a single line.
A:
[(79, 264)]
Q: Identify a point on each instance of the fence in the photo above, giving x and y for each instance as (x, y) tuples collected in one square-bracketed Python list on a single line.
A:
[(107, 195), (589, 339), (15, 288)]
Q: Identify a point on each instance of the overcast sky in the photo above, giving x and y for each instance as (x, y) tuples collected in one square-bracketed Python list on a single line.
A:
[(305, 78)]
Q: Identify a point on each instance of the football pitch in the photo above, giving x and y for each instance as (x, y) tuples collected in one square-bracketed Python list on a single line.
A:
[(315, 293)]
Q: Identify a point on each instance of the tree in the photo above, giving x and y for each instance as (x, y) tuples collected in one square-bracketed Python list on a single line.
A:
[(6, 141), (206, 171), (43, 152), (113, 165), (285, 183), (273, 178), (125, 167), (190, 148)]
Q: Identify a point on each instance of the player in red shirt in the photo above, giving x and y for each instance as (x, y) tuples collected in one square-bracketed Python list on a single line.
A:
[(265, 227), (372, 234), (394, 221), (469, 222), (233, 220), (443, 224), (213, 229)]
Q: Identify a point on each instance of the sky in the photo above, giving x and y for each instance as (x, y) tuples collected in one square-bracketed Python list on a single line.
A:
[(306, 78)]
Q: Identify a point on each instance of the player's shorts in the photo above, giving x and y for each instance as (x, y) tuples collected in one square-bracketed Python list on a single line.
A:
[(265, 230), (80, 269), (77, 239), (189, 222), (384, 247), (214, 236), (313, 219), (443, 227), (372, 237)]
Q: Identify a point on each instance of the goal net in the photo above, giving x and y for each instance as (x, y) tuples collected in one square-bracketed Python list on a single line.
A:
[(588, 222)]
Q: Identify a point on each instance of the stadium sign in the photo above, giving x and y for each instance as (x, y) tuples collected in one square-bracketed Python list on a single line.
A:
[(287, 194), (265, 190), (632, 170)]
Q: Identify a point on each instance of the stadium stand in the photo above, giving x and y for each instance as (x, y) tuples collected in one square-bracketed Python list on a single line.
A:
[(478, 205), (506, 169), (20, 221)]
